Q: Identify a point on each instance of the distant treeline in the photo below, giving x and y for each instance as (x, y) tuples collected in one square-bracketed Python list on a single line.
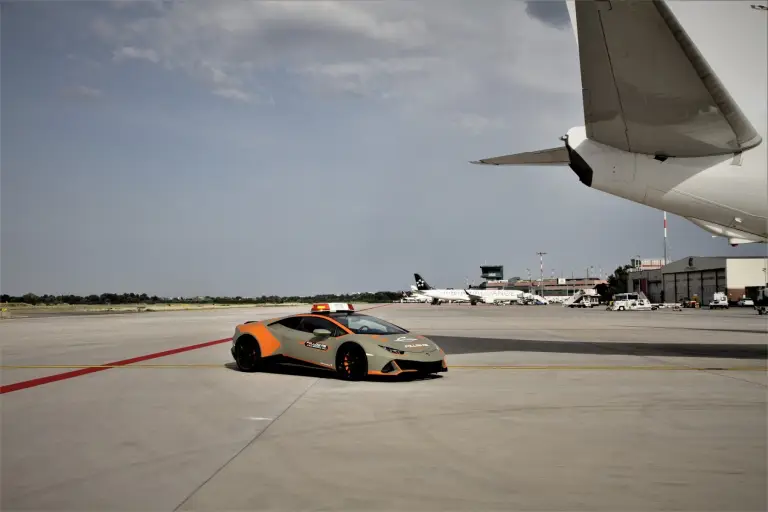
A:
[(143, 298)]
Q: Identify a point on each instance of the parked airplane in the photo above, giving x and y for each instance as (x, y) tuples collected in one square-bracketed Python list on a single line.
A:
[(415, 296), (471, 295), (439, 295), (660, 127)]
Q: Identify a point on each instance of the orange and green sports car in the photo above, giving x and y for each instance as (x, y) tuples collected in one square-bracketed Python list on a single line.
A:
[(335, 337)]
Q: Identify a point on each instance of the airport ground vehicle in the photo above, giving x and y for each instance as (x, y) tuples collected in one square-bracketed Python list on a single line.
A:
[(587, 301), (719, 300), (690, 303), (333, 336), (761, 303), (635, 301)]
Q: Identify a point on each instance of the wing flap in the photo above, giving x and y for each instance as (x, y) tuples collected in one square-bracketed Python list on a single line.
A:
[(647, 88), (552, 156)]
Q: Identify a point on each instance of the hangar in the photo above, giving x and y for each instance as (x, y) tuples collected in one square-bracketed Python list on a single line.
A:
[(702, 276)]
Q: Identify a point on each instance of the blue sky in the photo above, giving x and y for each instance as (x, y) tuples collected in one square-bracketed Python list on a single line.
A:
[(248, 148)]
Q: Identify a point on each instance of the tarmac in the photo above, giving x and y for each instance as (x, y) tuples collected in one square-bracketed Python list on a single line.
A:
[(543, 408)]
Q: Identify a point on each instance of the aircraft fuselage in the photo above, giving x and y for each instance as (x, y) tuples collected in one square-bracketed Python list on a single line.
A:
[(726, 194)]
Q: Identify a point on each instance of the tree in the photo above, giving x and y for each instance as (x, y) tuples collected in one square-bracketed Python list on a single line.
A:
[(617, 283), (618, 280)]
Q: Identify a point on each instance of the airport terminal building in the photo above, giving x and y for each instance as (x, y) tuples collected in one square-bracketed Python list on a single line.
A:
[(701, 277)]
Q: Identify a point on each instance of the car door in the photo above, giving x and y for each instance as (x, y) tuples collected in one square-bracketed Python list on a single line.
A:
[(287, 331), (315, 349)]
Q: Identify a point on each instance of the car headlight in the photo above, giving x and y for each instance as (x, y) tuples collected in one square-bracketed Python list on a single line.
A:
[(393, 350)]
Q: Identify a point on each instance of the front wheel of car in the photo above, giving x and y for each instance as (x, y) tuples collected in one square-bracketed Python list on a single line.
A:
[(247, 354), (351, 362)]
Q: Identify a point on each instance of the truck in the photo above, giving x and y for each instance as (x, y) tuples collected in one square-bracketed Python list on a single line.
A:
[(719, 301), (761, 302)]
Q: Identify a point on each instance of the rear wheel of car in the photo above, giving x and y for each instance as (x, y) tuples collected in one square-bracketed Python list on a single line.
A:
[(351, 362), (247, 354)]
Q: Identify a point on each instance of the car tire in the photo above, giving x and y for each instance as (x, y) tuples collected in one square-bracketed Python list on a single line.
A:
[(248, 354), (351, 362)]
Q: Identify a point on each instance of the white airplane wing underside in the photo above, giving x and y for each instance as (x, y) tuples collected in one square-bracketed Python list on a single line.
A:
[(646, 88)]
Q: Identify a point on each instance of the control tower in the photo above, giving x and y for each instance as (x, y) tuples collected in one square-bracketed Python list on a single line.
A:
[(492, 272)]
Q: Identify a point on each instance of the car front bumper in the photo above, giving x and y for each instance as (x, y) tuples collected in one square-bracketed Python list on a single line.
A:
[(404, 366)]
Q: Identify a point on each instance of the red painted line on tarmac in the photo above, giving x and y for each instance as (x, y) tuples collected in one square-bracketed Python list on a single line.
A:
[(17, 386), (374, 307)]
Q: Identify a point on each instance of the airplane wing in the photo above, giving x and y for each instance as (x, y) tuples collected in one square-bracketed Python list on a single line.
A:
[(646, 88), (473, 296), (553, 156)]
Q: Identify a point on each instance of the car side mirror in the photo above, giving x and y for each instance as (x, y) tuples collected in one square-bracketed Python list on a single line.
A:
[(321, 333)]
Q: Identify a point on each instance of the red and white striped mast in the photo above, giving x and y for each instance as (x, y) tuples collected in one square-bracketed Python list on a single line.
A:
[(665, 239)]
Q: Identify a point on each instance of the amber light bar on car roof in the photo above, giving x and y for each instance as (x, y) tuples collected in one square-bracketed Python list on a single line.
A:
[(331, 307)]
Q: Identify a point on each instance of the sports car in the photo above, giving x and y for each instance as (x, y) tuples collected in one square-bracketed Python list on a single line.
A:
[(335, 337)]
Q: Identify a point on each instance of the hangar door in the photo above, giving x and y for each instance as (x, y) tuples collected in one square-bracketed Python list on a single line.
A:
[(694, 285), (669, 288), (654, 291), (722, 286), (681, 286), (708, 286)]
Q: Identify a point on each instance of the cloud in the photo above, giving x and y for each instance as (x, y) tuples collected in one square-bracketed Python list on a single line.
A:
[(130, 52), (477, 124), (81, 92), (409, 54), (551, 12), (233, 94)]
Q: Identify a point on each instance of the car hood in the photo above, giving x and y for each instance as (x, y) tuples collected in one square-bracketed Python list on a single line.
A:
[(408, 342)]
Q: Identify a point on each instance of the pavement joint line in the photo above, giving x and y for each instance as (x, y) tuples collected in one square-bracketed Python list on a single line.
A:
[(249, 443)]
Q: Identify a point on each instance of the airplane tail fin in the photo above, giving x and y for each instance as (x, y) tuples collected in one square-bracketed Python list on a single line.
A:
[(421, 284)]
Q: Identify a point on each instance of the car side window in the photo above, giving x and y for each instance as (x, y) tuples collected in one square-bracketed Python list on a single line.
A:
[(309, 324), (291, 322), (338, 331)]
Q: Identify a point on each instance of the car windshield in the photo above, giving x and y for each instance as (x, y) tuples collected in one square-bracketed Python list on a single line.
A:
[(364, 324)]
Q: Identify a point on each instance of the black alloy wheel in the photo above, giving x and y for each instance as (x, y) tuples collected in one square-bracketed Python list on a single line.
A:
[(248, 354), (351, 363)]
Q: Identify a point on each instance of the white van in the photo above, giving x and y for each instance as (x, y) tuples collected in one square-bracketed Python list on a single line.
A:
[(635, 301), (719, 300)]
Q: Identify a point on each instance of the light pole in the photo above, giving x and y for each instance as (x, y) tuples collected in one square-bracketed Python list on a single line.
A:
[(541, 261)]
